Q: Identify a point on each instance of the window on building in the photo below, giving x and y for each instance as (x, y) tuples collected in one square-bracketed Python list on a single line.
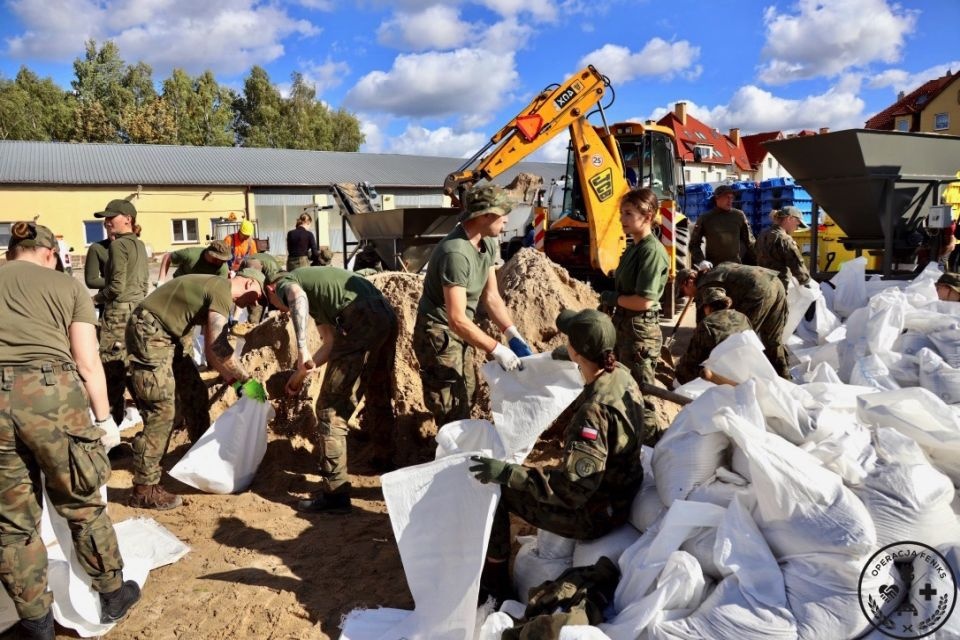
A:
[(5, 233), (93, 231), (719, 176), (703, 176), (706, 151), (688, 175), (941, 121), (903, 124), (769, 162), (185, 230)]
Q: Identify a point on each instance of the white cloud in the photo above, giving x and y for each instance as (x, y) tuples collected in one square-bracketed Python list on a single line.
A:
[(540, 10), (443, 141), (658, 58), (506, 35), (553, 151), (319, 5), (422, 85), (827, 37), (320, 75), (900, 80), (436, 27), (373, 137), (753, 110), (226, 37)]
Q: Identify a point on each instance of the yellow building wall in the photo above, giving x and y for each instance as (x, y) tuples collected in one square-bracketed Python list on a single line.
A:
[(947, 102), (65, 209)]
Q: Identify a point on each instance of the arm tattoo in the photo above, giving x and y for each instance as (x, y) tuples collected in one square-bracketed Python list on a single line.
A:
[(300, 310)]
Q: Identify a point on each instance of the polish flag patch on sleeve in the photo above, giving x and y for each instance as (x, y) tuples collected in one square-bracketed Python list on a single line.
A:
[(589, 433)]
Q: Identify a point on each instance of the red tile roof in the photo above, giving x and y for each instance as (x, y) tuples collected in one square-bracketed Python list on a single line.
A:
[(695, 132), (913, 102), (753, 145)]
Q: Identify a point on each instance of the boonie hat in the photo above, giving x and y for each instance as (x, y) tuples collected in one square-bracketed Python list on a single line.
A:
[(951, 280), (788, 212), (722, 189), (486, 199), (591, 333), (117, 208), (220, 250), (246, 228), (712, 294), (31, 234)]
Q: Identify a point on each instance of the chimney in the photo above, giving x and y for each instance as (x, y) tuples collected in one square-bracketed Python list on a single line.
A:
[(824, 129), (735, 137), (901, 96), (680, 110)]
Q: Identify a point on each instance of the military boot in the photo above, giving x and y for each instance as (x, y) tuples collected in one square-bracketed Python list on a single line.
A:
[(333, 503), (38, 629), (153, 496), (114, 605)]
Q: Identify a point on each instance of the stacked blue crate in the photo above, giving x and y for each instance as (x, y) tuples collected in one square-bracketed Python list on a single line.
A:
[(696, 200), (777, 193)]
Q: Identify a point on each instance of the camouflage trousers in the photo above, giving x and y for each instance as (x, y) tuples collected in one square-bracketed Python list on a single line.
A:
[(45, 427), (768, 315), (446, 371), (361, 365), (152, 355), (113, 352), (579, 524), (639, 340), (297, 262)]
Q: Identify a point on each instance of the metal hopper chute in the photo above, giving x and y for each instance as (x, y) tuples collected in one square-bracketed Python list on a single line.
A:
[(878, 186), (404, 238)]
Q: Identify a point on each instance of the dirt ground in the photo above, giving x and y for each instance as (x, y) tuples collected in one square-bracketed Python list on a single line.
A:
[(259, 569)]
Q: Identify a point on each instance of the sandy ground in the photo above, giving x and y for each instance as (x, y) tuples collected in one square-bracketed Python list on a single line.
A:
[(259, 569)]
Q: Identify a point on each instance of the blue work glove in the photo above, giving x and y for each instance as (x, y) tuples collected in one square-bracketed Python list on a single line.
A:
[(517, 344), (488, 470), (609, 299)]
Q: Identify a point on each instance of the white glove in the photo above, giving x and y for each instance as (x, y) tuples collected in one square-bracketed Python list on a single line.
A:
[(704, 264), (111, 432), (507, 359)]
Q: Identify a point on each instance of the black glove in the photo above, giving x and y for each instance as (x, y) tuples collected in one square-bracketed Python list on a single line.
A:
[(490, 470)]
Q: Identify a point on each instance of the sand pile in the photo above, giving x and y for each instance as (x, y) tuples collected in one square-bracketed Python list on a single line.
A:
[(524, 188)]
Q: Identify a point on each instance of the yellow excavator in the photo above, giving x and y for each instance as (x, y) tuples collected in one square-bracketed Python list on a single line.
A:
[(603, 163)]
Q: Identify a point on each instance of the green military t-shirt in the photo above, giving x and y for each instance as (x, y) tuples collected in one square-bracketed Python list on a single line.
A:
[(271, 266), (643, 271), (456, 262), (37, 307), (184, 302), (127, 270), (190, 261), (329, 290), (95, 265)]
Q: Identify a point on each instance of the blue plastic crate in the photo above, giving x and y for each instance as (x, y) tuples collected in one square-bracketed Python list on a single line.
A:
[(700, 187), (777, 182), (784, 193), (744, 185), (805, 205)]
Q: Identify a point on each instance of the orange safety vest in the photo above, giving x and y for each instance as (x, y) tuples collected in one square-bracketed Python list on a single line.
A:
[(240, 249)]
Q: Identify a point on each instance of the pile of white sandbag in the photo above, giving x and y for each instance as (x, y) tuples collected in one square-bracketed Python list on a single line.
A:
[(763, 503)]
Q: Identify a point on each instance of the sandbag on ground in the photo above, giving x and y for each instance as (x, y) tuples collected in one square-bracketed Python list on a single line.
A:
[(646, 507), (531, 568), (612, 545), (938, 377)]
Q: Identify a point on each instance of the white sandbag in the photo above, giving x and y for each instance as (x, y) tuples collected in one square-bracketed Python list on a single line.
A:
[(910, 342), (839, 397), (721, 488), (581, 632), (528, 401), (920, 415), (782, 408), (363, 624), (646, 506), (199, 353), (823, 372), (933, 318), (751, 600), (701, 547), (531, 569), (739, 358), (225, 458), (553, 546), (131, 419), (801, 507), (907, 498), (694, 388), (461, 436), (947, 342), (494, 626), (842, 446), (850, 290), (799, 299), (870, 371), (823, 323), (922, 290), (903, 369), (612, 545), (885, 323), (938, 377)]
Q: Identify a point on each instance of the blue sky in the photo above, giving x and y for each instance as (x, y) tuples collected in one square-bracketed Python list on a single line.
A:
[(438, 78)]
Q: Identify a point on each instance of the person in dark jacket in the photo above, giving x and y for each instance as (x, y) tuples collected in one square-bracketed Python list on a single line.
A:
[(301, 244)]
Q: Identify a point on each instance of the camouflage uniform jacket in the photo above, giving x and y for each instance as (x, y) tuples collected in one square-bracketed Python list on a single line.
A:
[(744, 284), (712, 330), (778, 251), (728, 237), (601, 469)]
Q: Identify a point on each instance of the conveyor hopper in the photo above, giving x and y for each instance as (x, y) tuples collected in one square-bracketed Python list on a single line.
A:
[(404, 238)]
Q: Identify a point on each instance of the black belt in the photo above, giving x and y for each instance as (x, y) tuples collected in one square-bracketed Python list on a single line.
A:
[(646, 315)]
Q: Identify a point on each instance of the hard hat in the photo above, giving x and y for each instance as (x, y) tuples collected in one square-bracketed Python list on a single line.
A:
[(246, 228)]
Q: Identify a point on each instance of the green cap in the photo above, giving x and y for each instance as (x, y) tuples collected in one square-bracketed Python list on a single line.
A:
[(117, 208), (788, 212), (325, 256), (220, 250), (712, 294), (253, 274), (591, 333), (951, 280), (486, 199), (31, 234)]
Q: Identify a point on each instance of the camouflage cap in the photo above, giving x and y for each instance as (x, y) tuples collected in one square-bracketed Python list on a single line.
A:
[(117, 208), (788, 212), (31, 234), (591, 332), (486, 199), (219, 250), (712, 294), (951, 280)]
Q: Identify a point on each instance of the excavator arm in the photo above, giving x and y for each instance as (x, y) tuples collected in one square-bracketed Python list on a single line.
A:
[(551, 112)]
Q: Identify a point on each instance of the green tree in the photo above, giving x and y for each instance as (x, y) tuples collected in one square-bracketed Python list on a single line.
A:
[(345, 131), (260, 112), (201, 108), (34, 109), (151, 123)]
